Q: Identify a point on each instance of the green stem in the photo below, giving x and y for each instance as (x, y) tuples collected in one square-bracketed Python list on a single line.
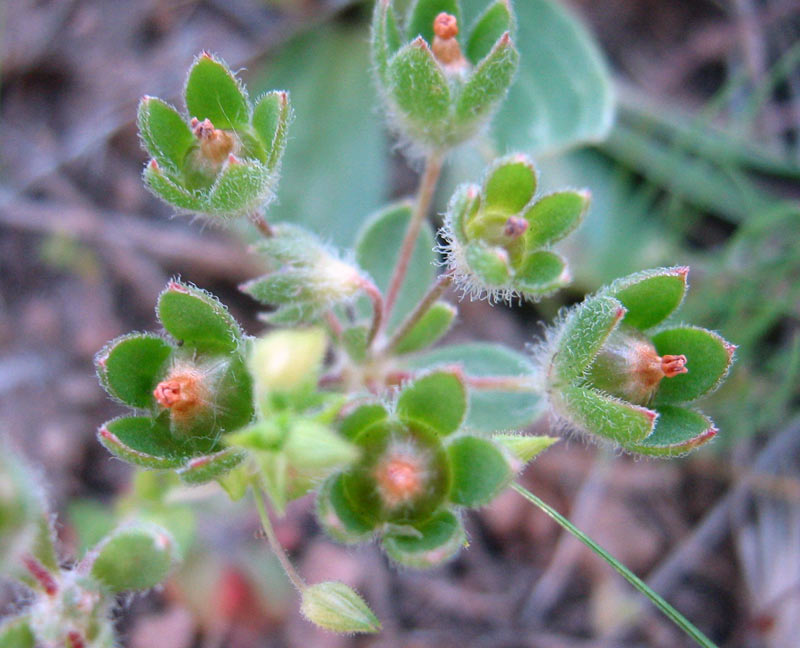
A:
[(427, 187), (676, 617), (276, 547), (434, 292)]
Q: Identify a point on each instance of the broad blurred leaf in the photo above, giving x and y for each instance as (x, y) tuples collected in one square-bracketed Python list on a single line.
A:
[(335, 166), (562, 95)]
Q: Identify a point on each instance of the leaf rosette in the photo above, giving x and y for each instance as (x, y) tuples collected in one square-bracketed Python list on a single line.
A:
[(498, 236), (613, 369), (418, 469), (188, 390), (222, 158)]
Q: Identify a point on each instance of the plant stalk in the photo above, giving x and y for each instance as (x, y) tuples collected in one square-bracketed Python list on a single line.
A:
[(276, 547), (434, 292), (378, 308), (427, 188), (670, 612), (262, 225)]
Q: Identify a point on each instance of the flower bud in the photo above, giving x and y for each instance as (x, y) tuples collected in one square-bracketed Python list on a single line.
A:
[(497, 236), (336, 607), (286, 360), (441, 86)]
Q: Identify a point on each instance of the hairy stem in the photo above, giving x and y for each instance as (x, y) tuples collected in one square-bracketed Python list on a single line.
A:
[(676, 617), (434, 292), (378, 308), (427, 187), (276, 547), (521, 384), (262, 225)]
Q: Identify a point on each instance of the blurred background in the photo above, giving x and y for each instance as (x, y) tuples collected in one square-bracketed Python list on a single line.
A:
[(701, 167)]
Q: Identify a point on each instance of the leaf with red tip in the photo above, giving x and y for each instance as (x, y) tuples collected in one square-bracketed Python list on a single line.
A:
[(168, 190), (271, 118), (585, 331), (606, 416), (200, 470), (488, 83), (213, 92), (489, 26), (651, 295), (677, 432), (164, 133), (510, 184), (141, 441), (195, 317), (708, 359), (130, 367)]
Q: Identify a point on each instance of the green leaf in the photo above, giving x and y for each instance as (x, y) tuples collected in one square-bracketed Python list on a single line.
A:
[(436, 541), (563, 93), (488, 83), (337, 517), (439, 400), (331, 125), (651, 295), (490, 264), (164, 133), (606, 416), (283, 287), (542, 273), (166, 189), (334, 606), (488, 410), (141, 441), (197, 318), (131, 366), (708, 358), (136, 557), (200, 470), (377, 250), (361, 418), (420, 91), (385, 36), (354, 341), (510, 184), (554, 216), (233, 392), (524, 447), (16, 633), (271, 117), (90, 520), (480, 471), (242, 187), (428, 330), (213, 92), (424, 12), (677, 432), (585, 331), (274, 471), (314, 447), (487, 30)]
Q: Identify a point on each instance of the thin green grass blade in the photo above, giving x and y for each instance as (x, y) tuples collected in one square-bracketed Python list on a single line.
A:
[(676, 617)]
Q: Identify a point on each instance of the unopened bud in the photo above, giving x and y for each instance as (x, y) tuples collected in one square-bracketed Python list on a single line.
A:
[(215, 144), (629, 367), (445, 46), (336, 607), (185, 392), (515, 227)]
